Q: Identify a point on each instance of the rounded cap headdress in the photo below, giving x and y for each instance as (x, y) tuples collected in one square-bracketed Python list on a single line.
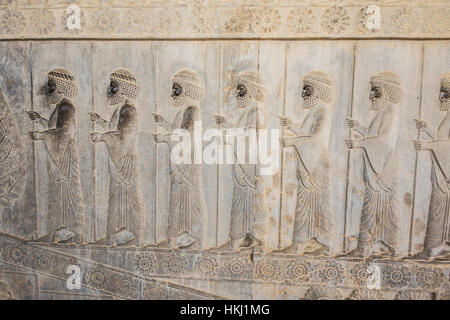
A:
[(323, 83), (128, 86), (190, 84), (390, 82), (65, 85)]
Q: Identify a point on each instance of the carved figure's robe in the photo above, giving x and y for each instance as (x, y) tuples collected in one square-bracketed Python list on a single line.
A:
[(377, 218), (187, 206), (248, 211), (438, 226), (65, 204), (124, 198), (313, 171)]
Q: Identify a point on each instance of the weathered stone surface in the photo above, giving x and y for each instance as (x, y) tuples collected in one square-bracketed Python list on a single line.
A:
[(94, 205)]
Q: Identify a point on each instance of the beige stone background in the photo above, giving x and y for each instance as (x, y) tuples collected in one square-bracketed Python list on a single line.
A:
[(282, 39)]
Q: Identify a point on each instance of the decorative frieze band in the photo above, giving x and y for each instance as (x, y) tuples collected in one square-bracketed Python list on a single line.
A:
[(236, 19)]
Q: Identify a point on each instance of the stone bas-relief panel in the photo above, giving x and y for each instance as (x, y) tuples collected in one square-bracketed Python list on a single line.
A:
[(355, 204)]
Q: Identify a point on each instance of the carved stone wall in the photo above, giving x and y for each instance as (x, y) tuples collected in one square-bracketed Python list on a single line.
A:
[(358, 208)]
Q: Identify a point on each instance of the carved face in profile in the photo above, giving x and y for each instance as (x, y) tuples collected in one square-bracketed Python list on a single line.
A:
[(444, 97), (178, 95), (377, 97), (242, 95), (309, 96), (53, 95), (114, 94)]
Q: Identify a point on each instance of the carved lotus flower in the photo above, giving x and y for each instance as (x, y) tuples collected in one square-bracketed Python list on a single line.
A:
[(361, 274), (169, 21), (17, 253), (429, 279), (238, 268), (268, 270), (404, 20), (332, 273), (42, 21), (267, 20), (153, 291), (335, 20), (44, 262), (301, 20), (361, 21), (236, 20), (299, 271), (105, 21), (397, 276), (207, 266), (174, 263), (437, 20), (201, 20), (12, 22), (135, 20), (96, 277), (145, 263)]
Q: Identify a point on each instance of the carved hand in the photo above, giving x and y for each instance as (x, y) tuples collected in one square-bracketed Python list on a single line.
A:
[(352, 123), (158, 137), (285, 142), (285, 122), (420, 124), (94, 116), (220, 120), (421, 145), (33, 115), (352, 143), (158, 118), (35, 135), (95, 136)]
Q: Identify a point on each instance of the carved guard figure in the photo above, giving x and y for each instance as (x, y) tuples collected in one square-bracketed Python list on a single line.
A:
[(187, 206), (248, 210), (437, 237), (65, 218), (125, 209), (313, 214), (378, 224)]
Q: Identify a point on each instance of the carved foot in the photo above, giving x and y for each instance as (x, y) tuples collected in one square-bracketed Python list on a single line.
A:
[(441, 252), (63, 235), (292, 249), (249, 242), (378, 250), (227, 246), (312, 247), (123, 237), (162, 244), (185, 241)]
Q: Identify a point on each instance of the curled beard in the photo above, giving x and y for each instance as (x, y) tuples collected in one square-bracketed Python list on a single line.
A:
[(378, 104), (55, 97), (242, 102), (116, 99), (310, 102), (182, 100), (445, 104)]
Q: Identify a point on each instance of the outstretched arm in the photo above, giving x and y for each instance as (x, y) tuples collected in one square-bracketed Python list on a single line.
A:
[(35, 116), (98, 120), (422, 126), (354, 124), (106, 137), (160, 120)]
